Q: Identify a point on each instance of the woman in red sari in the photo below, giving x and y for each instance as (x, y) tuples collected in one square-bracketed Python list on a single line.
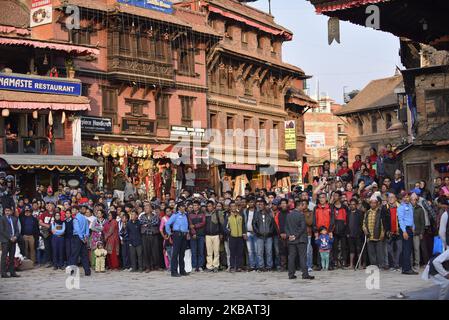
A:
[(112, 241)]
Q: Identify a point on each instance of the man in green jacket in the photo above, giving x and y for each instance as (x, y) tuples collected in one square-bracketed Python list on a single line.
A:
[(418, 233)]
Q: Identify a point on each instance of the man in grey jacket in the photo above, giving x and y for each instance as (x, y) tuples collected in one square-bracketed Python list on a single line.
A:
[(9, 233), (296, 230)]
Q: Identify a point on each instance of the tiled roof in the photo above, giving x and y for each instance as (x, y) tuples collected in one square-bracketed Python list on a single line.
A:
[(377, 94), (440, 133), (252, 55), (141, 12), (249, 12)]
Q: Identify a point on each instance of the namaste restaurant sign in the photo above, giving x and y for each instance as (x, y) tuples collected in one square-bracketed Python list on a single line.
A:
[(26, 83)]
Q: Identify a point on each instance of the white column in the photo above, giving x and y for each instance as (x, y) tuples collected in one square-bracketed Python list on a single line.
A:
[(76, 136)]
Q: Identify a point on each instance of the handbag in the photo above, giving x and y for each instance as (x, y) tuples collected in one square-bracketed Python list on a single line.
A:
[(437, 245)]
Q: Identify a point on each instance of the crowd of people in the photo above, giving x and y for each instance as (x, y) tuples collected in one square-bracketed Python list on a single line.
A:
[(352, 216)]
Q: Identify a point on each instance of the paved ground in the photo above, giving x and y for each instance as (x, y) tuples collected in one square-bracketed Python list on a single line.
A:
[(42, 283)]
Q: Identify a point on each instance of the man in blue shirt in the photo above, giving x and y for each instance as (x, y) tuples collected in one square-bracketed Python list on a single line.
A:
[(178, 226), (79, 242), (407, 226)]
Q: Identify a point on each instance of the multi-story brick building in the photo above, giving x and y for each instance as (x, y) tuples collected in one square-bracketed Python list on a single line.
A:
[(146, 87), (326, 134), (252, 89), (40, 105)]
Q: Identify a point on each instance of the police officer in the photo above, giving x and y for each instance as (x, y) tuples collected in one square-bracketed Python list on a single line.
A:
[(178, 226)]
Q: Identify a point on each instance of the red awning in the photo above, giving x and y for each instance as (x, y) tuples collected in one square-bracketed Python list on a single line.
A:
[(326, 7), (19, 31), (164, 151), (230, 15), (40, 101), (69, 48)]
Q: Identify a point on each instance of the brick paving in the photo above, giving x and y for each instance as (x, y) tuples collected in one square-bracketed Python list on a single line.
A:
[(42, 283)]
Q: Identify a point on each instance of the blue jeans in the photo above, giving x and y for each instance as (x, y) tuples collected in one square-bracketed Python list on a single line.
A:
[(267, 246), (251, 246), (309, 252), (197, 247), (169, 250)]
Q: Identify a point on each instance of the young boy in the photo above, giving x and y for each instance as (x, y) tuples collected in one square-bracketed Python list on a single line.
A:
[(324, 243)]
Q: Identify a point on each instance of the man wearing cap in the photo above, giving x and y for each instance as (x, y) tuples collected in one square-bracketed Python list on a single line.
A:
[(30, 233), (263, 226), (398, 184), (407, 225), (50, 197), (178, 226), (374, 227), (9, 233)]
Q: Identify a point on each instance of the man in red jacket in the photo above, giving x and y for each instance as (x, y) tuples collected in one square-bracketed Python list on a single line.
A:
[(322, 217)]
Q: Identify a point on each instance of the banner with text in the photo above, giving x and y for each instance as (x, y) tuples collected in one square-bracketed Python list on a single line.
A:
[(41, 12), (165, 6), (290, 135)]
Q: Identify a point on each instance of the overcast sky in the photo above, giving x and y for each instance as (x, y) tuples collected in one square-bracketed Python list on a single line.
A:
[(363, 55)]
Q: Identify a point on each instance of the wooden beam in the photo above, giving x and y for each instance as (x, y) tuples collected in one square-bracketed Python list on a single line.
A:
[(263, 75), (133, 90), (146, 91), (255, 74), (239, 71), (213, 63), (121, 88), (247, 71)]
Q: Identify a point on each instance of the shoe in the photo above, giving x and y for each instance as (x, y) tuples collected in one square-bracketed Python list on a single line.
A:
[(177, 275), (200, 270), (310, 270), (259, 270), (147, 270), (5, 276), (184, 274), (308, 277), (292, 277), (55, 268), (410, 272), (215, 270), (87, 274), (132, 270), (238, 270), (49, 265)]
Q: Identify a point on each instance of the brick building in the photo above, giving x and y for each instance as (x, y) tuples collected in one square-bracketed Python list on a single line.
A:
[(40, 107), (146, 87), (372, 117), (252, 89), (326, 134)]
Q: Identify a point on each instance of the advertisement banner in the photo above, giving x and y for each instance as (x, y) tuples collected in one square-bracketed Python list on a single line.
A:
[(96, 124), (290, 135), (41, 12), (40, 85), (315, 139), (165, 6)]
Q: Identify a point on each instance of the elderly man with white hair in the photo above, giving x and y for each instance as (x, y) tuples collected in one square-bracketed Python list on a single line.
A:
[(374, 226)]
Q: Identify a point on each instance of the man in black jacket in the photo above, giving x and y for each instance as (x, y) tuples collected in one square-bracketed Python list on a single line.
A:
[(9, 233), (296, 230), (263, 226), (340, 215), (30, 233), (355, 231)]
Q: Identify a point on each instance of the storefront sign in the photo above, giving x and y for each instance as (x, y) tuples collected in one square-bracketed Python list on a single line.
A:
[(40, 13), (249, 167), (248, 100), (138, 126), (290, 135), (315, 140), (40, 85), (287, 169), (333, 154), (165, 6), (177, 131), (96, 124)]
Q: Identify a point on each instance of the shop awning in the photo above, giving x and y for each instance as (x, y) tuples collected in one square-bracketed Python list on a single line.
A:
[(39, 101), (165, 151), (60, 163), (47, 44)]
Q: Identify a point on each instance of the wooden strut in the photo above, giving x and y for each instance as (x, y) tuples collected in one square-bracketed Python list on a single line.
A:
[(146, 91), (246, 72), (133, 90)]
